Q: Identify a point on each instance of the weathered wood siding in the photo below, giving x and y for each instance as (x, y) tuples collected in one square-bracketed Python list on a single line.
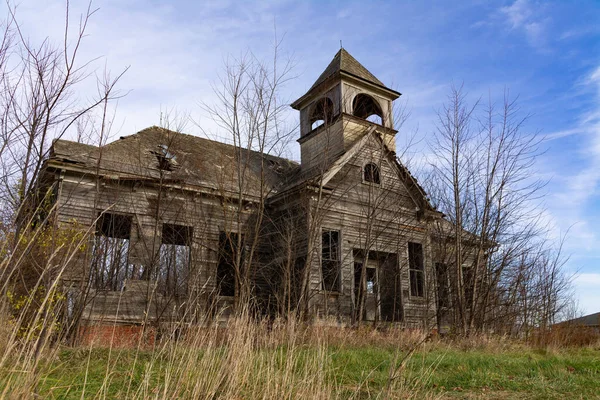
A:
[(379, 218)]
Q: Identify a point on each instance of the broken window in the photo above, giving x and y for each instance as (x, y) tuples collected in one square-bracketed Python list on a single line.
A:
[(443, 286), (416, 269), (330, 260), (174, 259), (322, 113), (371, 173), (230, 257), (366, 107), (110, 267)]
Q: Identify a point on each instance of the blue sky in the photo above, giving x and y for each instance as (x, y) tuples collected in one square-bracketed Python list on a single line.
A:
[(547, 53)]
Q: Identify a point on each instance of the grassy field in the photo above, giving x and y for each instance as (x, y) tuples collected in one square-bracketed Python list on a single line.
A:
[(256, 363)]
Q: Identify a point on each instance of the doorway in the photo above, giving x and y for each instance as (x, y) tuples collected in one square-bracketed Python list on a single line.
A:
[(366, 289)]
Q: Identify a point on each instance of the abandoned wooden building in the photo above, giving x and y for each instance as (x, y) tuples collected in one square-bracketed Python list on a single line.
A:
[(185, 227)]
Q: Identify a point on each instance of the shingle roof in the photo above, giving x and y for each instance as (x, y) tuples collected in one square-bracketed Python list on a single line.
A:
[(343, 64), (197, 161), (343, 61)]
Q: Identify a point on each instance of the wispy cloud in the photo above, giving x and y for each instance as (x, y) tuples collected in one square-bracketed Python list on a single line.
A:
[(580, 32), (563, 133), (524, 17), (576, 197)]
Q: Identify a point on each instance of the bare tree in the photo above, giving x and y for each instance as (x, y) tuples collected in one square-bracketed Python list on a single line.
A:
[(40, 101), (484, 181), (249, 113)]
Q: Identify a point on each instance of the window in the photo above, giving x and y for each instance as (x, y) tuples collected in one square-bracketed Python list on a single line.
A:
[(174, 259), (443, 287), (110, 267), (228, 261), (468, 283), (330, 260), (415, 267), (371, 173), (366, 107)]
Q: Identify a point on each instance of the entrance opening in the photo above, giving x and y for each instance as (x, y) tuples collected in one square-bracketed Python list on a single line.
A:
[(365, 289)]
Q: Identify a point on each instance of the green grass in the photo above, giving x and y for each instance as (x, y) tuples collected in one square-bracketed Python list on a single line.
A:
[(352, 371)]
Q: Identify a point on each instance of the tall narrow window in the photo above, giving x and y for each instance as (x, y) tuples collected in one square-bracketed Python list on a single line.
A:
[(443, 287), (231, 261), (330, 260), (110, 252), (174, 260), (371, 173), (415, 267), (468, 283)]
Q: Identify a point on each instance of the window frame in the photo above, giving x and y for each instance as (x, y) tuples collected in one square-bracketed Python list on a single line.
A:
[(222, 262), (416, 272), (442, 281), (377, 170), (110, 239), (173, 248), (336, 287)]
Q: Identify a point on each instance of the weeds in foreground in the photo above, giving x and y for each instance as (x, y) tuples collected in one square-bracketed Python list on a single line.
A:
[(249, 359)]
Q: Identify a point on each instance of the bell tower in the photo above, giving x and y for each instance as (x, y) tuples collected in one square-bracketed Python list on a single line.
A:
[(343, 104)]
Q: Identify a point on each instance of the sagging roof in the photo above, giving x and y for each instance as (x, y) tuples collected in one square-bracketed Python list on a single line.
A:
[(178, 157), (199, 162)]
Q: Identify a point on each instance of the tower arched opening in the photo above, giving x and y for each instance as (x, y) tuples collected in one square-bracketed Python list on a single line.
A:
[(322, 113), (366, 107)]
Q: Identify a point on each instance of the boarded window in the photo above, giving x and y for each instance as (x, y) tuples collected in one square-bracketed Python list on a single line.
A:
[(415, 265), (443, 286), (231, 259), (110, 267), (371, 173), (330, 260), (174, 260)]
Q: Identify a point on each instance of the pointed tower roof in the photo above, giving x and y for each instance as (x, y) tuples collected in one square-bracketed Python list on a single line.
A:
[(343, 61), (343, 64)]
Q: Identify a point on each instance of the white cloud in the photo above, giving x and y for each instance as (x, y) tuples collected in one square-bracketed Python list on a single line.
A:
[(588, 280), (518, 13), (525, 17), (563, 133)]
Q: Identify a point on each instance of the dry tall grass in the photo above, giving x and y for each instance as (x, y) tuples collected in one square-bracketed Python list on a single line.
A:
[(245, 359)]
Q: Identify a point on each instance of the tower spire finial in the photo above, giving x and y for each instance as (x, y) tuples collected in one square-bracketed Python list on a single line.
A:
[(341, 47)]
